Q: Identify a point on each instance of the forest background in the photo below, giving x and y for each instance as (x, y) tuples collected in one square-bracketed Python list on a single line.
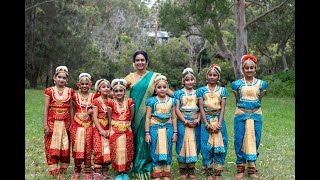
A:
[(100, 36)]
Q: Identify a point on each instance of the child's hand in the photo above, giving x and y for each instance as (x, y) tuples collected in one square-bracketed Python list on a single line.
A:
[(174, 137), (147, 138), (46, 130)]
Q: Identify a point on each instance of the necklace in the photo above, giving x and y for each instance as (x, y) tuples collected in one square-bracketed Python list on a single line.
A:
[(59, 97), (188, 92), (83, 115), (121, 109), (245, 81), (211, 91), (103, 105)]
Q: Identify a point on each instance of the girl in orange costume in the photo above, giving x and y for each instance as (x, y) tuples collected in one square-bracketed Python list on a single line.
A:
[(121, 113), (101, 146), (81, 128), (58, 110)]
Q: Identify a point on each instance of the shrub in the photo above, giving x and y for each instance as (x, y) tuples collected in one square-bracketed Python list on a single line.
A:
[(281, 84)]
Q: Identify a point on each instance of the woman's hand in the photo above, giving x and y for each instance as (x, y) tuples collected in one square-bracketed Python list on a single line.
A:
[(147, 138)]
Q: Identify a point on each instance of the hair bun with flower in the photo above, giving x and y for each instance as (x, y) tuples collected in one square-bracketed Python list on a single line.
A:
[(84, 75), (62, 69), (99, 82), (119, 83), (249, 56)]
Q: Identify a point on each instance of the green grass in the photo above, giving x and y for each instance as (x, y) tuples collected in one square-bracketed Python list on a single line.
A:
[(277, 150)]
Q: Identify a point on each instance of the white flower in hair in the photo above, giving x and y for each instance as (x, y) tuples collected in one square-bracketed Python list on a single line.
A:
[(84, 74), (62, 68), (160, 77), (96, 84), (187, 70), (122, 82)]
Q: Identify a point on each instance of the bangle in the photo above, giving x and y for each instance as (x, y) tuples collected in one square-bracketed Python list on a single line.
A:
[(207, 125), (147, 131), (175, 132)]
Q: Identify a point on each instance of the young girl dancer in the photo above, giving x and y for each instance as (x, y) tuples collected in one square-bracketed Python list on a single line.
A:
[(81, 127), (214, 137), (120, 115), (101, 146), (187, 110), (58, 110), (248, 92), (161, 128)]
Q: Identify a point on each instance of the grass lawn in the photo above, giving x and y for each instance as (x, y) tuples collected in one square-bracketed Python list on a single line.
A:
[(277, 149)]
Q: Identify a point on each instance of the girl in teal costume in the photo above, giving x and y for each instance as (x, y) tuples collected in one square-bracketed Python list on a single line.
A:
[(248, 92), (161, 128), (187, 110), (140, 86), (214, 137)]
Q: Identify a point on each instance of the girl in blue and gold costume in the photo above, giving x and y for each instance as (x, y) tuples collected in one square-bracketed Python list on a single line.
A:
[(214, 137), (248, 92), (188, 123), (161, 128)]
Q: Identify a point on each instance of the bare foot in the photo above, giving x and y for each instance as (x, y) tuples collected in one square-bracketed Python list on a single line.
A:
[(209, 178), (183, 177), (192, 177), (239, 176), (254, 176)]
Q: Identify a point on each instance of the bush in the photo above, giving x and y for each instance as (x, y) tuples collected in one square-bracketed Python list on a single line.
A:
[(281, 84), (26, 83)]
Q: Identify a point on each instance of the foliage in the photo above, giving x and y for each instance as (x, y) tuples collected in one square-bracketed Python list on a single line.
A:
[(277, 149), (170, 59), (281, 84)]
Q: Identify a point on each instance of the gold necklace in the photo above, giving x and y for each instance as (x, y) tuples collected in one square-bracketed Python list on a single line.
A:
[(83, 115), (103, 105), (57, 96), (245, 81), (121, 110)]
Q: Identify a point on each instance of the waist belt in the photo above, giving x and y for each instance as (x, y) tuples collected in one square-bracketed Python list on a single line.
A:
[(249, 110), (104, 122), (212, 113), (59, 110), (83, 123), (160, 120), (121, 126)]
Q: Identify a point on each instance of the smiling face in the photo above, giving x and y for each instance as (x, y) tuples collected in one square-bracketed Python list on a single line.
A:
[(162, 88), (118, 92), (189, 81), (84, 85), (104, 88), (140, 62), (249, 68), (61, 79), (212, 76)]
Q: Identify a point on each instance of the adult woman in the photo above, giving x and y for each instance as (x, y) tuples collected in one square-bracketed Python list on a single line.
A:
[(140, 86), (248, 92)]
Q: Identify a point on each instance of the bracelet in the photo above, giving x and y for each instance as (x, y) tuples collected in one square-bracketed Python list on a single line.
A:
[(185, 122), (147, 131), (175, 132)]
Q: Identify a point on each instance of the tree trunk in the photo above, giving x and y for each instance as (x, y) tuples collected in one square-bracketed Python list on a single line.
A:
[(241, 36), (283, 57)]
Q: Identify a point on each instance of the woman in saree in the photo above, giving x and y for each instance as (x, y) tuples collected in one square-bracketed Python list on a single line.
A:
[(140, 86)]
